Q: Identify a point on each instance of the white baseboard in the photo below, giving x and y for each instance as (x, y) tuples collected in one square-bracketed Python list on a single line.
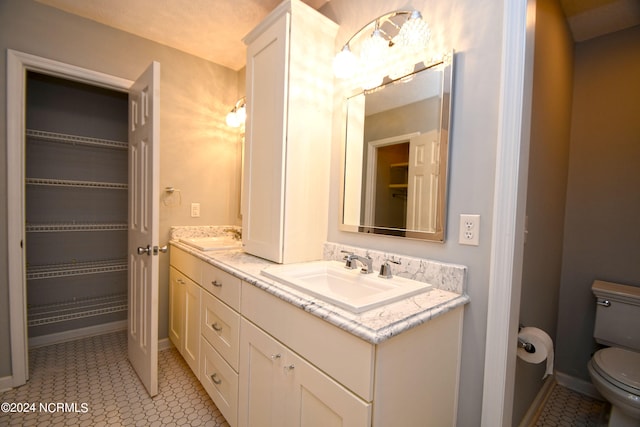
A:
[(164, 344), (121, 325), (533, 412), (75, 334), (579, 385)]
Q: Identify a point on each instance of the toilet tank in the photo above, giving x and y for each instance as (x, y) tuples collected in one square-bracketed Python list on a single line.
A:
[(617, 314)]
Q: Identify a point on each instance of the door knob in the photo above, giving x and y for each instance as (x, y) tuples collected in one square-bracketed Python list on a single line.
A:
[(163, 249), (146, 250)]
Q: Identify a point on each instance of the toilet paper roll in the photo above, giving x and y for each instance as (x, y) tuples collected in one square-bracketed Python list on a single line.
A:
[(544, 348)]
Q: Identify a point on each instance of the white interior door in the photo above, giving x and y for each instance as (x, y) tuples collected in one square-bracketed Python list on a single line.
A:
[(422, 190), (144, 142)]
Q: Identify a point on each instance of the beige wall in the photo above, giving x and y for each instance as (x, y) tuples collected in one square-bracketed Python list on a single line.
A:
[(547, 182), (601, 239), (199, 153), (474, 29)]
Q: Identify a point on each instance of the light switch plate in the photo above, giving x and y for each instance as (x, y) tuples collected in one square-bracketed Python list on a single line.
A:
[(195, 210)]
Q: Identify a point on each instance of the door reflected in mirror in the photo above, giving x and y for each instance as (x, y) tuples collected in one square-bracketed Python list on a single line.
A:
[(396, 154)]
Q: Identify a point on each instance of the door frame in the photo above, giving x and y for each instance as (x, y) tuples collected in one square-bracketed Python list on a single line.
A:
[(510, 194), (372, 172), (18, 63)]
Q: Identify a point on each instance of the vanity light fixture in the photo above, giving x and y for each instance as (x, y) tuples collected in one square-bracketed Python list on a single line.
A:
[(397, 43), (238, 114)]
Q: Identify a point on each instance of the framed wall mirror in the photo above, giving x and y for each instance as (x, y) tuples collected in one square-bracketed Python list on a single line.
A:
[(396, 156)]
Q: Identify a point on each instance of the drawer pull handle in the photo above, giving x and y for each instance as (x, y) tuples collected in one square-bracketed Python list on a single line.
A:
[(604, 302), (215, 379), (181, 281), (289, 367), (216, 327), (276, 356), (216, 284)]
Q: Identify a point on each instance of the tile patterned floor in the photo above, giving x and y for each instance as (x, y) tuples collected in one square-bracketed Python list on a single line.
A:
[(95, 371), (566, 408)]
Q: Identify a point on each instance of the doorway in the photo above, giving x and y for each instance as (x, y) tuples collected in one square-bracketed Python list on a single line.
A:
[(75, 209), (144, 102)]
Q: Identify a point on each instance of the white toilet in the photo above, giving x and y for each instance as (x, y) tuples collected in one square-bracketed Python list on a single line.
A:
[(615, 370)]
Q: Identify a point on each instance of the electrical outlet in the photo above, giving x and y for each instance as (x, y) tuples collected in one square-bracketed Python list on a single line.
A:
[(195, 210), (469, 230)]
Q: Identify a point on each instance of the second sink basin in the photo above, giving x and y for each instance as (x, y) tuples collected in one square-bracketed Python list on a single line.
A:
[(219, 243), (349, 289)]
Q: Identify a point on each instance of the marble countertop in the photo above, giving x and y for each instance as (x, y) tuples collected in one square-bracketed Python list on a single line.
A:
[(373, 326)]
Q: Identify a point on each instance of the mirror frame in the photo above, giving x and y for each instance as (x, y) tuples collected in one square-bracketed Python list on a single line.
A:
[(438, 235)]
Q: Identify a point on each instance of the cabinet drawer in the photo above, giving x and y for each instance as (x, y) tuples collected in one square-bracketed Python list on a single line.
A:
[(221, 284), (221, 327), (186, 263), (220, 381), (346, 358)]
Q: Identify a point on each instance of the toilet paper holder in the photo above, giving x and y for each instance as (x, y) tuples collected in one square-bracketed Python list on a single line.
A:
[(527, 346)]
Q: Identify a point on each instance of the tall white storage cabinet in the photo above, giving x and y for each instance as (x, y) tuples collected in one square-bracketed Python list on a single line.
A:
[(288, 134), (75, 206)]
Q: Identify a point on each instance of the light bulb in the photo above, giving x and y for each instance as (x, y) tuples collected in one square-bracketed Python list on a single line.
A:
[(241, 115), (401, 61), (415, 33), (345, 63), (373, 55), (232, 119)]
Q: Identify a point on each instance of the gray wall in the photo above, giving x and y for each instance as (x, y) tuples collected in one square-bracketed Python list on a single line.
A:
[(474, 29), (601, 239), (546, 191), (199, 153)]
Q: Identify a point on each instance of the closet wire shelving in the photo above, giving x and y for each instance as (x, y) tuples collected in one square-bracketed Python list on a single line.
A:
[(75, 139), (76, 308)]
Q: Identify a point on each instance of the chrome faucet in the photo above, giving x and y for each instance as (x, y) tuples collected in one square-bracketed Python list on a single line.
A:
[(385, 268), (351, 262)]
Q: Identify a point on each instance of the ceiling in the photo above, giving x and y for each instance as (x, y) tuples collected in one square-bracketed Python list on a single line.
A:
[(213, 29), (209, 29), (592, 18)]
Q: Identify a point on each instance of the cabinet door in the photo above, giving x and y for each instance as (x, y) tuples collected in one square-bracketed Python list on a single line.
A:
[(279, 388), (176, 311), (264, 168), (191, 350), (261, 401), (315, 400)]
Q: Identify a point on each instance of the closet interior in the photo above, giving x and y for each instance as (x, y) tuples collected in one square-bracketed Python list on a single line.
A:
[(75, 206)]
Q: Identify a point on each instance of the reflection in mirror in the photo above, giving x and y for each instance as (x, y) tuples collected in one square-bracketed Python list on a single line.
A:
[(396, 153)]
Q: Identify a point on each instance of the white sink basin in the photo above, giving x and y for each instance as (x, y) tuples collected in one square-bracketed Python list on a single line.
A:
[(349, 289), (212, 243)]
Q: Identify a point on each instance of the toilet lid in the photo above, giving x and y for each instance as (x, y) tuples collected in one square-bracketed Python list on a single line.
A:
[(619, 366)]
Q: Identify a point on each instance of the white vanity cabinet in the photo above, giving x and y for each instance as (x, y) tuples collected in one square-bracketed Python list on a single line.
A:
[(204, 324), (298, 370), (279, 388), (220, 343), (266, 362), (288, 134)]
